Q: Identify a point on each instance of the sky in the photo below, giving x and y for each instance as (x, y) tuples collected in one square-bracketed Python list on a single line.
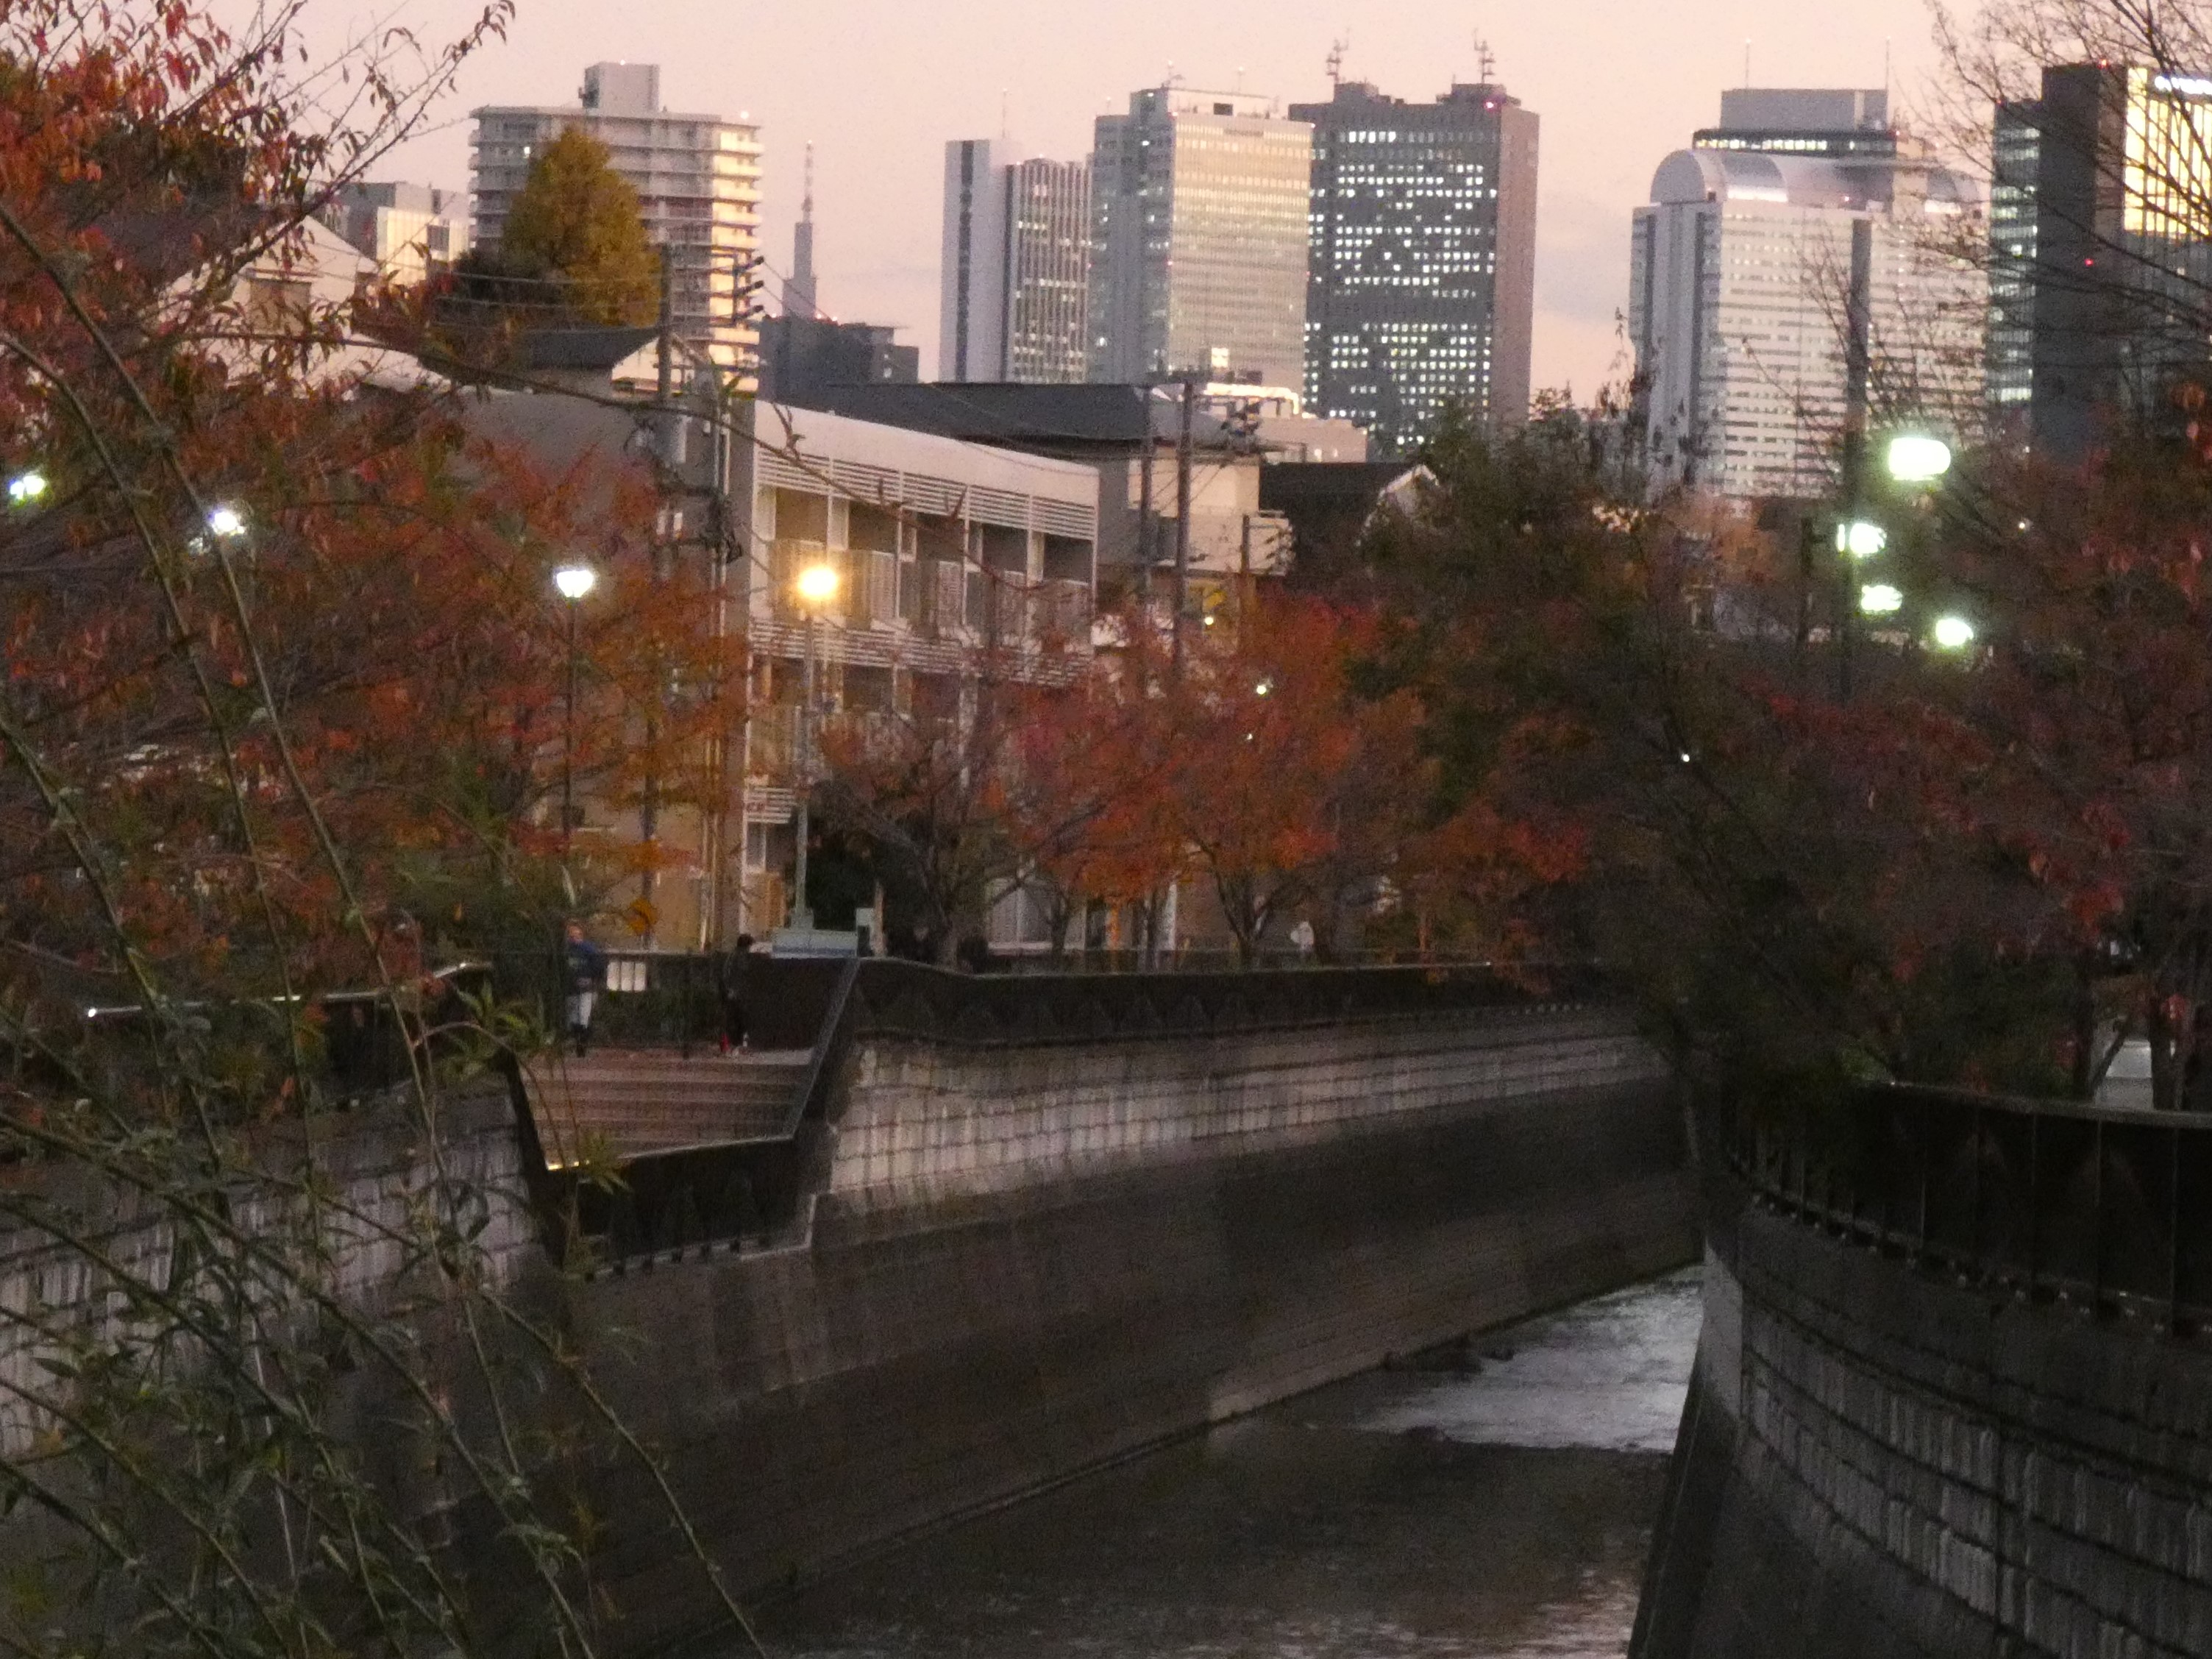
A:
[(880, 87)]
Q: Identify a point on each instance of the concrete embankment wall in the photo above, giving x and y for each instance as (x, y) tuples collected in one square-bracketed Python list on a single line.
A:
[(1881, 1459), (1027, 1260)]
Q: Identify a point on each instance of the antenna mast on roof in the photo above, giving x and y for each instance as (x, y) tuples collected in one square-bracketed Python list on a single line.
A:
[(1485, 63), (1336, 50)]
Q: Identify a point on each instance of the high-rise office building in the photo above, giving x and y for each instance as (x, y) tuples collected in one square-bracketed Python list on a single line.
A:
[(1015, 301), (2101, 233), (697, 178), (1423, 284), (1198, 248), (409, 230), (1740, 271)]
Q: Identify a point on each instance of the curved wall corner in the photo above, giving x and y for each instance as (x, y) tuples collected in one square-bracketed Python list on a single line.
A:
[(1877, 1460)]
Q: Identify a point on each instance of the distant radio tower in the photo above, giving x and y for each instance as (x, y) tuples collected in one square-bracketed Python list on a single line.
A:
[(798, 299), (1486, 63), (1336, 61)]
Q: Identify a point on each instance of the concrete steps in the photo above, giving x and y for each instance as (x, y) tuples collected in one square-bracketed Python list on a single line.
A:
[(644, 1100)]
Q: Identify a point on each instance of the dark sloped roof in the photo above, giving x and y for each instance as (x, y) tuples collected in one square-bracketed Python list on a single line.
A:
[(1013, 415), (1354, 486), (599, 348)]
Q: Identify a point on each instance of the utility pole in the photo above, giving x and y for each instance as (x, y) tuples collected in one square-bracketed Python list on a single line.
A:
[(1182, 516), (1858, 353), (665, 455), (1145, 509)]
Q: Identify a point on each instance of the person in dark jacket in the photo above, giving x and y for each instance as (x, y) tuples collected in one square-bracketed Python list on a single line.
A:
[(734, 967), (585, 966)]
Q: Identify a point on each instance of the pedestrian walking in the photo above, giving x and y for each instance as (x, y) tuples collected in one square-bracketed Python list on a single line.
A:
[(735, 967), (585, 966)]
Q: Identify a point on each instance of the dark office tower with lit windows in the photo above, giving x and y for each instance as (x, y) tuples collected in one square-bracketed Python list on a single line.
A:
[(1422, 279)]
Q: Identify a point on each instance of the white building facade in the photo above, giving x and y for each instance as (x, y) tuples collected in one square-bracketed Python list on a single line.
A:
[(697, 179), (1740, 270), (408, 230), (951, 558)]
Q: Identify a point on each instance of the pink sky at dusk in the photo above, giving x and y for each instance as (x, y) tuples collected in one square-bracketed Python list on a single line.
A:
[(880, 87)]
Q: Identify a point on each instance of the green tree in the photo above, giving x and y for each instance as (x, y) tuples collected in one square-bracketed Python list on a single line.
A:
[(577, 221)]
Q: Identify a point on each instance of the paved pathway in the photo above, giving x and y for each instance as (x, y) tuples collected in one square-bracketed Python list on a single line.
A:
[(642, 1100)]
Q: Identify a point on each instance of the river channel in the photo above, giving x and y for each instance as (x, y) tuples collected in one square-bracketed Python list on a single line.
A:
[(1497, 1505)]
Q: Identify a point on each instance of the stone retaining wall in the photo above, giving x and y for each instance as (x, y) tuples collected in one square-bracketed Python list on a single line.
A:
[(1031, 1259), (1877, 1460)]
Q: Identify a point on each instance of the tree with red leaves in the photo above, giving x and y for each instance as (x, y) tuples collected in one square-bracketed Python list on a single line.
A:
[(280, 693)]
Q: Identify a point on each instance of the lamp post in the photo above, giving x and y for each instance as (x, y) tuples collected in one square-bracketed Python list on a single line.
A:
[(573, 581), (1912, 460), (816, 586)]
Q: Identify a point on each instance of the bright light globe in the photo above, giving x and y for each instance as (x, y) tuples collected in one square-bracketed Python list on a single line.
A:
[(1915, 457), (1861, 539), (1953, 633), (1881, 599)]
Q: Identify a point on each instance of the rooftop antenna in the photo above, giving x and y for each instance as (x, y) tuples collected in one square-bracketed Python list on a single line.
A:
[(1486, 63), (1005, 120), (1336, 50), (1747, 60), (1884, 66)]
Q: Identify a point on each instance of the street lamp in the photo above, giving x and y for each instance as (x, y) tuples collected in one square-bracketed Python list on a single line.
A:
[(573, 582), (26, 488), (1914, 457), (1953, 633), (225, 522), (815, 585), (1881, 599), (1862, 538)]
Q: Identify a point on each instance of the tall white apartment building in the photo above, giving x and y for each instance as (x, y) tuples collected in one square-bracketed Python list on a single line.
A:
[(1014, 301), (1200, 205), (1740, 274), (697, 178)]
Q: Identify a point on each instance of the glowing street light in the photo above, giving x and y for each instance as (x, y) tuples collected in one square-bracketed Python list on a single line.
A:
[(1861, 539), (225, 522), (576, 581), (26, 488), (1914, 457), (818, 585), (1953, 633), (1881, 599)]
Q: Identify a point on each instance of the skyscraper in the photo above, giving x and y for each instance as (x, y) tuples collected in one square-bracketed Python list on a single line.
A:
[(1015, 295), (1423, 284), (1738, 276), (697, 178), (2100, 232), (1199, 206)]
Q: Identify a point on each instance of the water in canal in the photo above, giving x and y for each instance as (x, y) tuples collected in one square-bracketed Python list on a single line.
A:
[(1500, 1512)]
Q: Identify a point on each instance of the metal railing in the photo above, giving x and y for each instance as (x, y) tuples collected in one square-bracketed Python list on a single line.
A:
[(2107, 1210)]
